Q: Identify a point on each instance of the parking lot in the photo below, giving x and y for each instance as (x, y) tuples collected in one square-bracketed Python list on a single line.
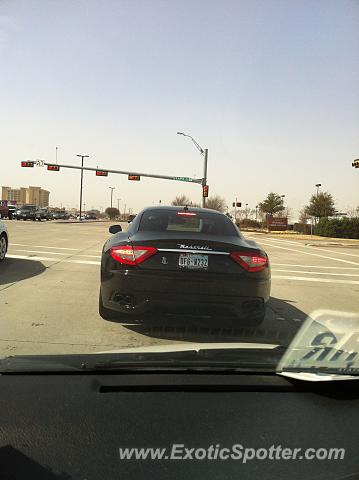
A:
[(49, 286)]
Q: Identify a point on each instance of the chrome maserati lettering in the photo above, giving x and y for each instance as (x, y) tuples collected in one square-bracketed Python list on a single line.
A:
[(194, 247)]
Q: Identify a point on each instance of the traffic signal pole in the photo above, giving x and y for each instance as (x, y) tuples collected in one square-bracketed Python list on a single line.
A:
[(81, 181), (204, 179), (122, 172)]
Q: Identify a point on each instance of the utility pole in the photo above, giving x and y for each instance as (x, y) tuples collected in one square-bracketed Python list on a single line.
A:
[(318, 185), (81, 182), (112, 189)]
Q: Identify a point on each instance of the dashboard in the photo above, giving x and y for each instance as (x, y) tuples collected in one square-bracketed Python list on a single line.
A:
[(72, 426)]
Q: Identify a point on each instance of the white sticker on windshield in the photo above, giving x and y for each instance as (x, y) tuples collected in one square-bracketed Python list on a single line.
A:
[(328, 341)]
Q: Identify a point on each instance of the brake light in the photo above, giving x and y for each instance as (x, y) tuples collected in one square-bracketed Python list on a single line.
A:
[(129, 255), (252, 262), (187, 214)]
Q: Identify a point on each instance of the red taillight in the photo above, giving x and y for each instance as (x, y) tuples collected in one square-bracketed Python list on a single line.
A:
[(187, 214), (252, 262), (129, 255)]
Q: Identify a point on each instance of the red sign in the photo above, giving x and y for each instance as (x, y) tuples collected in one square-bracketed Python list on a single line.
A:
[(134, 177), (27, 164), (277, 223), (53, 168), (101, 173)]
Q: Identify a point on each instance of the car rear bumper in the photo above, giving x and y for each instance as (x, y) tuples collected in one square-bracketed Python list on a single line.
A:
[(136, 292)]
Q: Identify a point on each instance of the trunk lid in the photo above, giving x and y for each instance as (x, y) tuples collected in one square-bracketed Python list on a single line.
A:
[(191, 252)]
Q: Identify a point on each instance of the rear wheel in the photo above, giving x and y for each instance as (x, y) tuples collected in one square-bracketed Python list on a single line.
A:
[(3, 247)]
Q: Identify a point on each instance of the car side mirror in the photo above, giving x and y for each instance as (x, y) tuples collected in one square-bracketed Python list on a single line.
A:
[(115, 229)]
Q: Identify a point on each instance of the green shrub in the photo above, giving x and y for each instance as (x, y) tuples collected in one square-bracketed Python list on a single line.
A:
[(249, 223), (338, 227), (302, 228)]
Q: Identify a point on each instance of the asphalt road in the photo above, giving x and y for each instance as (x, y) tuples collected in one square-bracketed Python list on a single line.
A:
[(49, 286)]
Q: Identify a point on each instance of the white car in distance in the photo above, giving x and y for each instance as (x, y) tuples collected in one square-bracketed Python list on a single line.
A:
[(4, 240)]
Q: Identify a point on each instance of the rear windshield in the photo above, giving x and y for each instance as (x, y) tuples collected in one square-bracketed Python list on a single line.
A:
[(182, 221)]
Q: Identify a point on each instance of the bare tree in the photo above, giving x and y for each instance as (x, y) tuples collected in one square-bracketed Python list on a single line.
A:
[(216, 203), (181, 200), (303, 216), (112, 212), (353, 212)]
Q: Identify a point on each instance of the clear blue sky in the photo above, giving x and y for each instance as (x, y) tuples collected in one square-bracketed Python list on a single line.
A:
[(270, 87)]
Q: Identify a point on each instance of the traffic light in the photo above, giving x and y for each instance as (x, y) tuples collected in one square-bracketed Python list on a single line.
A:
[(355, 164), (53, 168), (134, 177), (205, 191), (27, 164), (233, 204), (101, 173)]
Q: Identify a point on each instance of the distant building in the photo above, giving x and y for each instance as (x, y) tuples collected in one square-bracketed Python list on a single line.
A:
[(34, 195)]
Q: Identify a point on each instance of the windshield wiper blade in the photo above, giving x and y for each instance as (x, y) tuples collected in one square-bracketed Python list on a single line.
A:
[(235, 359)]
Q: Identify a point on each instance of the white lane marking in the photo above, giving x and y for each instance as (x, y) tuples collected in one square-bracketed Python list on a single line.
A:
[(313, 266), (317, 273), (53, 253), (36, 258), (315, 248), (309, 253), (322, 280), (48, 246)]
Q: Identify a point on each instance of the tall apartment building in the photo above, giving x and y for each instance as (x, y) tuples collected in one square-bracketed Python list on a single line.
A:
[(34, 195)]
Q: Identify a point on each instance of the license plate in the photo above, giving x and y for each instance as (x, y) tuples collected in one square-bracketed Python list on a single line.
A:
[(193, 260)]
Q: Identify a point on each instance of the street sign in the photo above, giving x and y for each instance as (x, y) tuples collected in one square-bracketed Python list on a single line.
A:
[(355, 164), (205, 191), (101, 173), (39, 163), (27, 164), (137, 178), (183, 179), (53, 168)]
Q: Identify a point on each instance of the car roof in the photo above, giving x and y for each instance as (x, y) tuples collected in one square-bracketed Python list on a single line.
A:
[(176, 208)]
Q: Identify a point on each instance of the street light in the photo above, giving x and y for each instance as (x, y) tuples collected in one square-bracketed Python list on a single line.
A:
[(112, 189), (204, 152), (318, 185), (82, 176)]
